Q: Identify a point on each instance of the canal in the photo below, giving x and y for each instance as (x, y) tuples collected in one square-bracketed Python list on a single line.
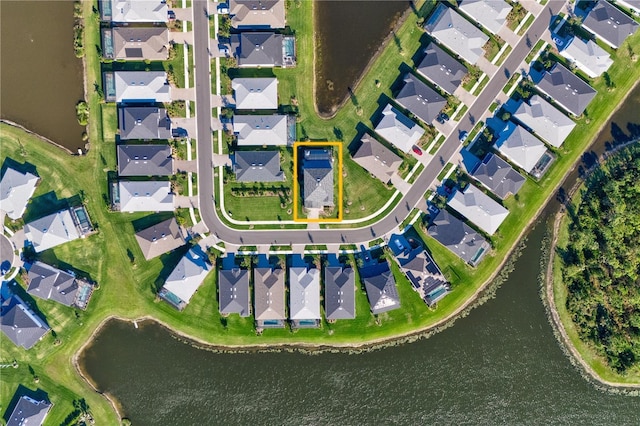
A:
[(350, 33), (500, 364), (40, 76)]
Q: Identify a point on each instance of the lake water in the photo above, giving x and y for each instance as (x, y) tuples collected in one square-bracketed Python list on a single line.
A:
[(500, 364), (351, 33), (41, 78)]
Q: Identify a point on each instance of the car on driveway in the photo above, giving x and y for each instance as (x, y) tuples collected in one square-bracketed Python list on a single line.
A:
[(463, 136), (417, 150)]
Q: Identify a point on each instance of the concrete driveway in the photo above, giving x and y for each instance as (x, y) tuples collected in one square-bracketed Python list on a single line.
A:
[(188, 124), (185, 166), (181, 37), (184, 202), (184, 14), (183, 94)]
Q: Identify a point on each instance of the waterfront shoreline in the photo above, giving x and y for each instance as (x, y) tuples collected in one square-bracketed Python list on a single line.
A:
[(37, 135)]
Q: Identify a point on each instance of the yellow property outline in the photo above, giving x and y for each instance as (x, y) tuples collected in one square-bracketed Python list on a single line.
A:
[(296, 190)]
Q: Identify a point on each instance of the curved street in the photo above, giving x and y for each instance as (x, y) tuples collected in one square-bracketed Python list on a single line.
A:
[(411, 199)]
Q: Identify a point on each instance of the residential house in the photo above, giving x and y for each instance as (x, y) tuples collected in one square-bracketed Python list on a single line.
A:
[(479, 208), (376, 158), (145, 196), (590, 58), (143, 123), (145, 160), (522, 149), (567, 89), (458, 237), (261, 130), (441, 69), (609, 24), (318, 178), (255, 93), (257, 14), (498, 176), (380, 286), (57, 228), (257, 166), (339, 293), (491, 14), (20, 324), (160, 238), (139, 11), (421, 270), (16, 189), (50, 283), (258, 49), (186, 278), (29, 412), (545, 120), (233, 288), (455, 32), (304, 296), (136, 43), (141, 86), (420, 99), (268, 289), (398, 129)]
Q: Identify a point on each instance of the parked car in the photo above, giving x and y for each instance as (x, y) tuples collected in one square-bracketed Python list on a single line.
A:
[(463, 136), (172, 15), (417, 150)]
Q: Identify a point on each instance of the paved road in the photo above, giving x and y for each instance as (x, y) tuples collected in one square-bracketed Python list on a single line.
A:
[(413, 197)]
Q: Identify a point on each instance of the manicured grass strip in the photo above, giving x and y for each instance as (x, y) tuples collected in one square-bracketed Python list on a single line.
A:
[(526, 25), (509, 84)]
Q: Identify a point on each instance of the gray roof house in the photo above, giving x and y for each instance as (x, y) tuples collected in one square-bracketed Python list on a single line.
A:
[(258, 49), (567, 89), (257, 14), (420, 99), (270, 130), (339, 293), (136, 43), (16, 188), (479, 208), (145, 196), (590, 58), (461, 36), (145, 160), (233, 291), (441, 69), (269, 304), (545, 120), (318, 178), (255, 93), (139, 11), (186, 278), (609, 23), (458, 237), (141, 86), (498, 176), (20, 324), (381, 287), (421, 270), (376, 158), (520, 147), (52, 230), (49, 283), (304, 296), (398, 129), (29, 412), (257, 166), (143, 123), (160, 238), (491, 14), (634, 5)]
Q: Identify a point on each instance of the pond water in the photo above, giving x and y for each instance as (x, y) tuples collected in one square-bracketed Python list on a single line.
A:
[(348, 35), (40, 76)]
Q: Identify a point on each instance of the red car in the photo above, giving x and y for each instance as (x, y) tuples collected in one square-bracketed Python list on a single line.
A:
[(417, 150)]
